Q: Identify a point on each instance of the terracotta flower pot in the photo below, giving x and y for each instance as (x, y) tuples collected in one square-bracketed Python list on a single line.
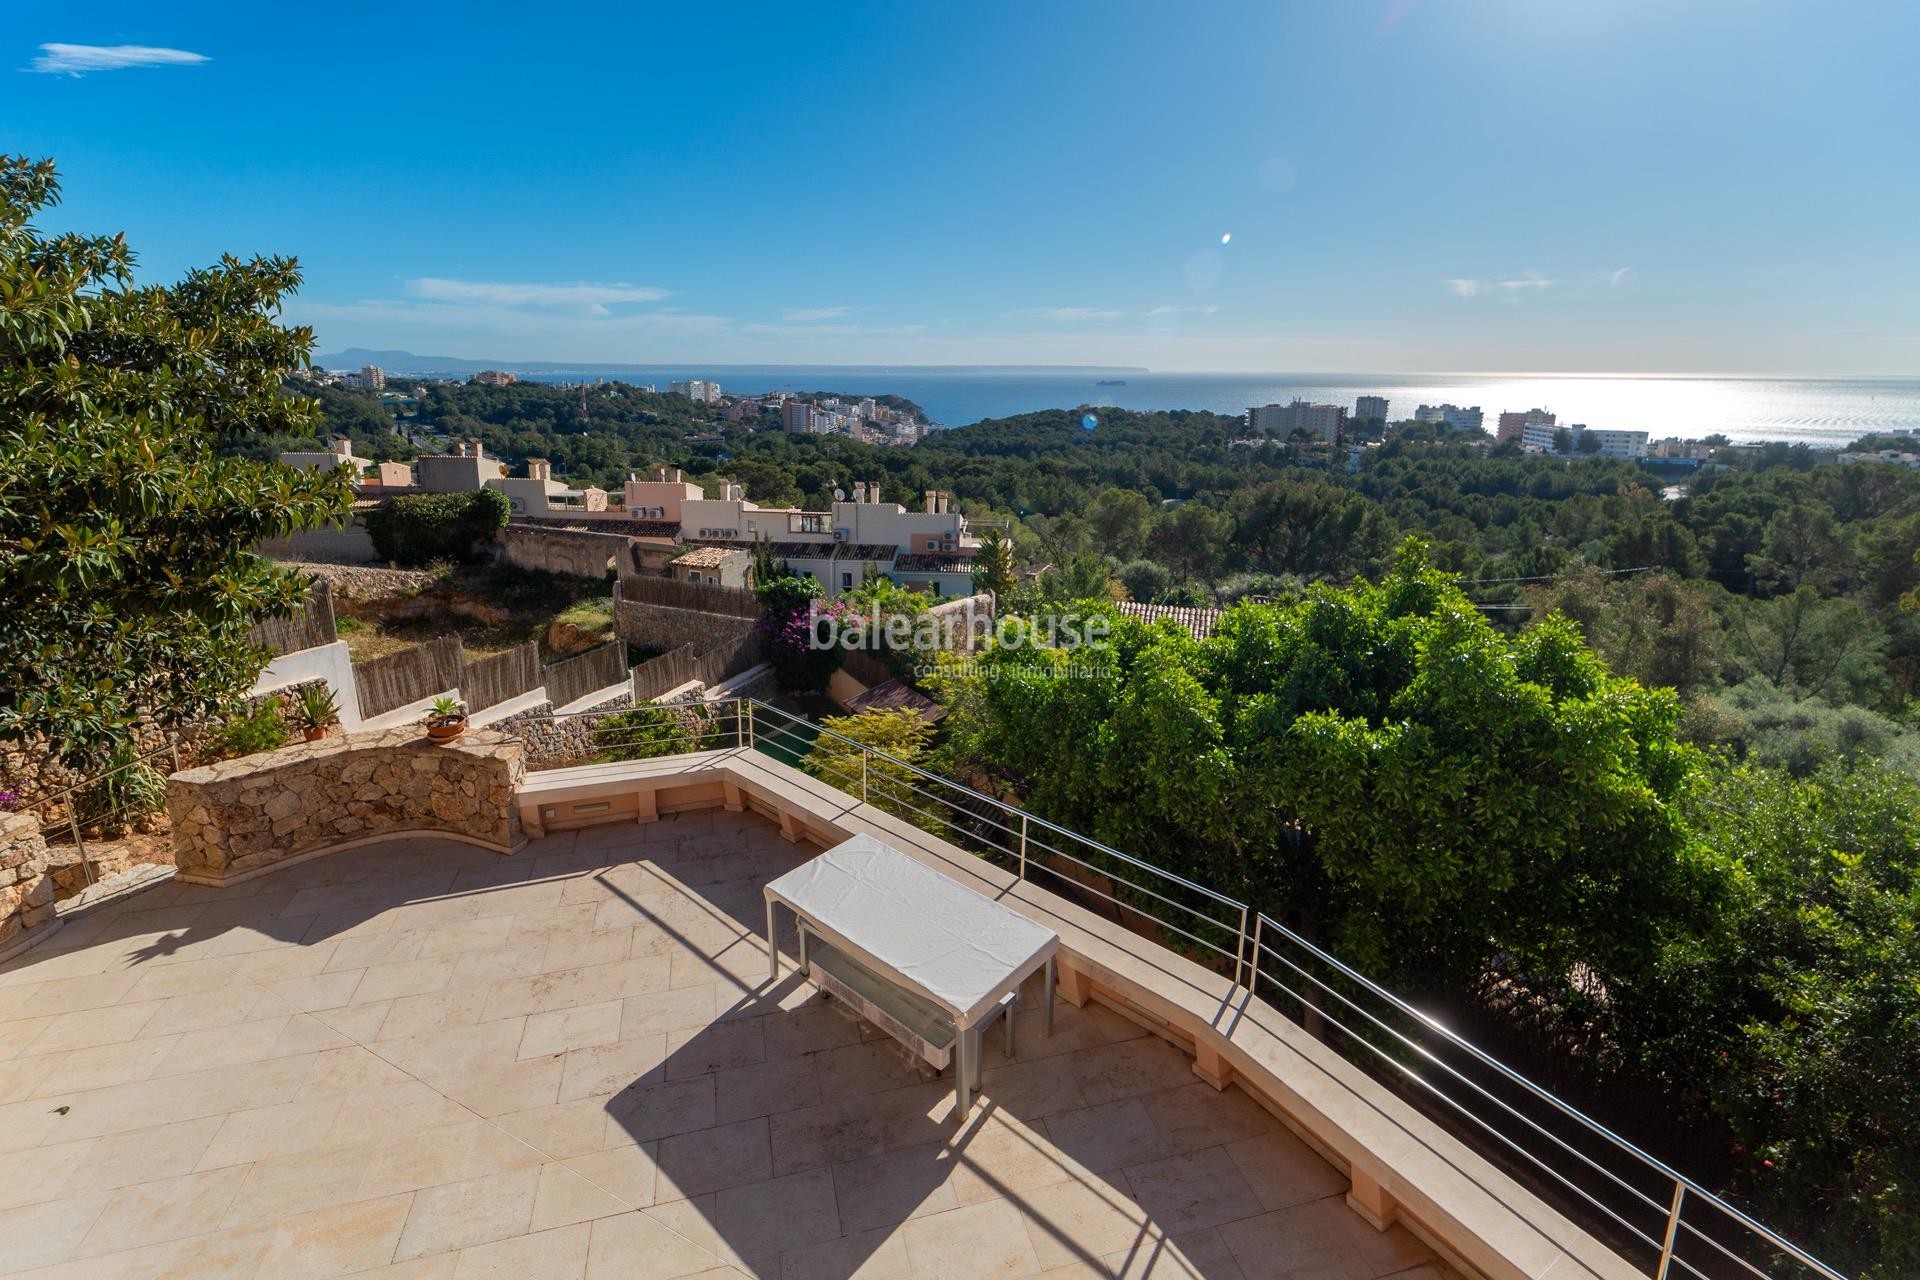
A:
[(314, 734), (444, 729)]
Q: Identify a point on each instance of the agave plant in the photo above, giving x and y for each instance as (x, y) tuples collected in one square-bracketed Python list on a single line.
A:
[(318, 707)]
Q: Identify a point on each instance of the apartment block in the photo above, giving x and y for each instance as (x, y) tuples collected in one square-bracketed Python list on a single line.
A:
[(1455, 417), (1513, 424), (1322, 420)]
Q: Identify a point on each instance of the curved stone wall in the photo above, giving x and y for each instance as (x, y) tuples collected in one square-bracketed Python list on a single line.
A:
[(236, 818), (26, 883)]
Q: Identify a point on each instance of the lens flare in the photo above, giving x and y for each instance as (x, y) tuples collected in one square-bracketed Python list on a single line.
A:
[(1088, 422), (1226, 237)]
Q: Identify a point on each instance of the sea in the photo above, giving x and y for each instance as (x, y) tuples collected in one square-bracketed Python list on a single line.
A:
[(1815, 411)]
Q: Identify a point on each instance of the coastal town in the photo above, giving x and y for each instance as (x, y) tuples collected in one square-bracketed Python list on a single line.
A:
[(1270, 641)]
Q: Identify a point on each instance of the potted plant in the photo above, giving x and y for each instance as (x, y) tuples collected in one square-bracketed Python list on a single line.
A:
[(318, 711), (446, 720)]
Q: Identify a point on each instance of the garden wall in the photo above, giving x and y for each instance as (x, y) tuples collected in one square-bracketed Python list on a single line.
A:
[(26, 887), (569, 551), (233, 819), (658, 626)]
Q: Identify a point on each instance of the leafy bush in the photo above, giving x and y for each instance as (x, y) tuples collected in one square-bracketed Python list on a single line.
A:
[(1764, 724), (252, 732), (422, 528), (904, 735), (1144, 579), (644, 732), (783, 595)]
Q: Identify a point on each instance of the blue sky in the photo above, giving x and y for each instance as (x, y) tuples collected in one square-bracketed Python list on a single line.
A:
[(1410, 185)]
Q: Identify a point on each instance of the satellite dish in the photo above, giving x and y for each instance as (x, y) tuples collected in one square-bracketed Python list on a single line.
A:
[(839, 495)]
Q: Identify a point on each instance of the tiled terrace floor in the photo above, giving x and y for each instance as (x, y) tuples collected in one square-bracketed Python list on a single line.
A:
[(422, 1060)]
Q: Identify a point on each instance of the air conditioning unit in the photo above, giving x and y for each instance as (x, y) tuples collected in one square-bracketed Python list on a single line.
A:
[(839, 535)]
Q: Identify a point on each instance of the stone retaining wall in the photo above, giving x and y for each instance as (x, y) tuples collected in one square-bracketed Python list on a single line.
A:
[(552, 741), (663, 627), (232, 819), (26, 888), (575, 552)]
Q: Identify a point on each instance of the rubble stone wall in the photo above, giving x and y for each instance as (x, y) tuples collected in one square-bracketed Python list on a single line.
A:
[(234, 818), (26, 887)]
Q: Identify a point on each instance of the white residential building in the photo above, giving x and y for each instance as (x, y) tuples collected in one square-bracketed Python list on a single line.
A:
[(339, 453), (1630, 445), (1282, 420), (1538, 437), (1455, 417), (1371, 407), (697, 390), (927, 550)]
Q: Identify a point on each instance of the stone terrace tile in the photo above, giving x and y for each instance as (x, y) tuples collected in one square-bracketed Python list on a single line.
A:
[(425, 1061)]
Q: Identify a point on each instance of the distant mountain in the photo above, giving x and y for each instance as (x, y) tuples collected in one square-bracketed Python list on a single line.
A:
[(406, 362)]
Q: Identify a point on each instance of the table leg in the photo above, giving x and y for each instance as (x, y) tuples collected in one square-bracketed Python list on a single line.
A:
[(773, 951), (1046, 1014), (805, 968), (962, 1075), (1008, 1017)]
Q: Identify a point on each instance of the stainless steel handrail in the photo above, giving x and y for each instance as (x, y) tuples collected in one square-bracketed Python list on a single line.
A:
[(756, 721)]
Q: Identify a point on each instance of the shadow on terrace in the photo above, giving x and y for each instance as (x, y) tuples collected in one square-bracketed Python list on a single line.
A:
[(570, 1062)]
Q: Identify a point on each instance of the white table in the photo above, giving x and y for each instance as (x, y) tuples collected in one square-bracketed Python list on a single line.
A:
[(934, 937)]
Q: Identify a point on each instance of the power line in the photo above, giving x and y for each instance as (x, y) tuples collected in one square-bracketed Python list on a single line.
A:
[(1549, 577)]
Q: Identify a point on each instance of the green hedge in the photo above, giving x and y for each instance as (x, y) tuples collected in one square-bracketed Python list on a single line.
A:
[(419, 528)]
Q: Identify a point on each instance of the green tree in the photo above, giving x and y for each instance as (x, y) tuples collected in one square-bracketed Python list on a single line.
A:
[(127, 577), (1430, 792), (902, 735), (1824, 646), (1192, 540), (1797, 1014), (993, 570), (1121, 520), (1085, 577), (1310, 528)]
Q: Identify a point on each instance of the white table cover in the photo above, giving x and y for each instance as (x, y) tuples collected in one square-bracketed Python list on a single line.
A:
[(951, 944)]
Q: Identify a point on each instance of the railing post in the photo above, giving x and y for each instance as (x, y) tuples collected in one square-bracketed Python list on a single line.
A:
[(1253, 957), (863, 777), (1240, 950), (747, 710), (1673, 1228), (79, 845), (1023, 845)]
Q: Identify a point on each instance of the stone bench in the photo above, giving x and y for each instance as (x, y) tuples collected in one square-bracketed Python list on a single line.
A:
[(641, 790)]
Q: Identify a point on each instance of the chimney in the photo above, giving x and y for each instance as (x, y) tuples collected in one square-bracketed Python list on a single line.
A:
[(660, 474), (342, 447), (930, 502), (677, 477), (859, 490), (539, 469), (478, 451), (873, 491)]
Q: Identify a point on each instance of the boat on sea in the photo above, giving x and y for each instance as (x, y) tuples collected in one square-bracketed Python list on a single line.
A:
[(1111, 382)]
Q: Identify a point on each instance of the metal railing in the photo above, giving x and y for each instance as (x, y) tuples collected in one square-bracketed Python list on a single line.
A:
[(106, 808), (1664, 1221)]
